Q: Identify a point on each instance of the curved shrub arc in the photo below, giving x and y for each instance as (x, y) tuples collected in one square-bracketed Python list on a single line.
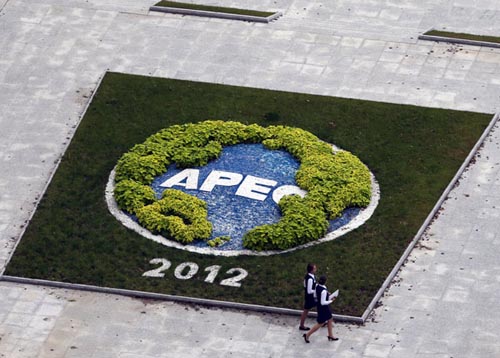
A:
[(334, 181)]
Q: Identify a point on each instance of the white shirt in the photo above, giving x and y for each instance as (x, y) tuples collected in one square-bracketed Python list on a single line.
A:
[(310, 288), (324, 297)]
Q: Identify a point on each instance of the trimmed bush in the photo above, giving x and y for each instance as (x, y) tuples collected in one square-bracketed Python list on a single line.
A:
[(302, 221), (177, 215), (131, 195), (335, 180), (218, 241)]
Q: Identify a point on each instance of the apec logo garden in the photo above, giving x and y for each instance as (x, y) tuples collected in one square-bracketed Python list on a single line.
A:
[(229, 209), (226, 193)]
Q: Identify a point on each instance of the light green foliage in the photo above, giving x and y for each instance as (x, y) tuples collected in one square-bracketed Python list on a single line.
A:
[(334, 181), (296, 141), (140, 168), (302, 221), (131, 195), (215, 242), (197, 156), (177, 215), (337, 181)]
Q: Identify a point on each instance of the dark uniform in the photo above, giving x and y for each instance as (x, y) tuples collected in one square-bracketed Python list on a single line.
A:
[(324, 313), (309, 297)]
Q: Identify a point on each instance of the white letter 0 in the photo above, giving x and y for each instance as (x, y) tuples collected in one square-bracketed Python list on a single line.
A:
[(283, 190), (193, 269)]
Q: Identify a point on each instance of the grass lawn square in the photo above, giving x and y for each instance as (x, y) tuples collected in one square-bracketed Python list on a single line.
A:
[(413, 152)]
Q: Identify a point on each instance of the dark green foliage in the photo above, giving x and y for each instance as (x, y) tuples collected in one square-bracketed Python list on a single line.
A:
[(413, 152), (272, 117)]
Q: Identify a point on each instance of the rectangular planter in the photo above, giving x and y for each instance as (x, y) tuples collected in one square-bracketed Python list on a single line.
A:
[(221, 15), (459, 41)]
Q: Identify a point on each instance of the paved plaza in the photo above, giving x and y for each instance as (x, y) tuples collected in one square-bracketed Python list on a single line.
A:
[(443, 303)]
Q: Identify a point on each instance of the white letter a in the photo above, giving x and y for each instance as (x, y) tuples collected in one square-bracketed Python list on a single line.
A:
[(188, 178)]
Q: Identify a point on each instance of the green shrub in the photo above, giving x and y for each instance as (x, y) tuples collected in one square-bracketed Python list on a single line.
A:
[(218, 241), (140, 168), (302, 221), (178, 215), (334, 181), (338, 181), (197, 156), (296, 141), (131, 195)]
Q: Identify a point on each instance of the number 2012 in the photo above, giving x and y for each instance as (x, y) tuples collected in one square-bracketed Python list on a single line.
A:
[(213, 271)]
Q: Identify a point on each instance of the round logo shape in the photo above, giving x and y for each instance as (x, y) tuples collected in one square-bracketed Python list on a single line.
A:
[(227, 188)]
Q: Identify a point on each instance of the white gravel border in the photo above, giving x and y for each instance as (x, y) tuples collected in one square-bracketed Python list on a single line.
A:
[(359, 220)]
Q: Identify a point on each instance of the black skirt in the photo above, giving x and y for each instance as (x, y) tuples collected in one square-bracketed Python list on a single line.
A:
[(324, 313)]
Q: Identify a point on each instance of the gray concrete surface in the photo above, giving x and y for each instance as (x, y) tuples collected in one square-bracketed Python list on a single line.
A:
[(52, 53)]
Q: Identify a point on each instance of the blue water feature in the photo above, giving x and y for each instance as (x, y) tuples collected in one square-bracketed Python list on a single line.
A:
[(233, 215)]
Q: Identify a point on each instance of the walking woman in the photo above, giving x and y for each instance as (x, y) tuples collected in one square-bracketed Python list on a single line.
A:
[(309, 294), (324, 313)]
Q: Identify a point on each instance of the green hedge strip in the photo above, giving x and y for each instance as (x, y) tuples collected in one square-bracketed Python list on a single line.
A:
[(227, 10), (465, 36)]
